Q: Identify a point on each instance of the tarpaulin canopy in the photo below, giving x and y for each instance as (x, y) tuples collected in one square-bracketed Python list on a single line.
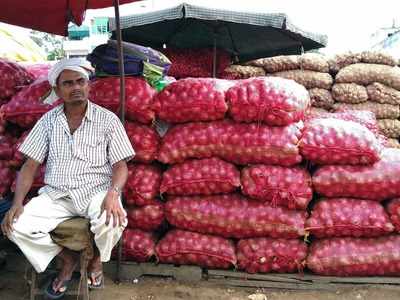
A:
[(248, 35), (50, 16)]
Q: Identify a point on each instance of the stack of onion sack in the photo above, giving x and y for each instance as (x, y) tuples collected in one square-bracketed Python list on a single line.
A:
[(310, 70), (202, 183), (369, 81), (354, 232), (27, 106), (7, 174), (145, 211)]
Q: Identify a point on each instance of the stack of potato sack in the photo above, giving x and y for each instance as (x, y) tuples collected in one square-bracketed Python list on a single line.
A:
[(310, 70), (235, 192), (369, 81), (354, 234)]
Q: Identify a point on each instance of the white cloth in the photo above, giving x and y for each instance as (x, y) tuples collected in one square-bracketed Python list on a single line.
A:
[(74, 64), (42, 214)]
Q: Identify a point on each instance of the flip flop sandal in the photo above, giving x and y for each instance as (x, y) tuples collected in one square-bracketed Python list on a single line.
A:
[(51, 294), (99, 284)]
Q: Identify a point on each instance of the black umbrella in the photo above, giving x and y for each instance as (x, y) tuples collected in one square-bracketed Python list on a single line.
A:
[(245, 35)]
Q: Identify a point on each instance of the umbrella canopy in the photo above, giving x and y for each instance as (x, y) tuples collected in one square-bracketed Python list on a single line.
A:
[(244, 34), (50, 16)]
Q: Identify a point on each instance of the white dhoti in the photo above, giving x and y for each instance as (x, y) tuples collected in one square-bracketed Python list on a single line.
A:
[(42, 215)]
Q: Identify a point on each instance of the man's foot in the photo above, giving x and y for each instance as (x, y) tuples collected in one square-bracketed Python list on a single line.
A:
[(51, 293), (95, 272), (70, 261)]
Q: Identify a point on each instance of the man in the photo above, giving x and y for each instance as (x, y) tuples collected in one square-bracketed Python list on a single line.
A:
[(86, 148)]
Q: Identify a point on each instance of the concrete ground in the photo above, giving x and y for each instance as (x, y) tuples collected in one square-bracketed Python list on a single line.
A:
[(13, 287)]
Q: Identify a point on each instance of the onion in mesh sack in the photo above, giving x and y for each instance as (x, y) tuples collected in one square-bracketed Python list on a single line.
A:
[(190, 248), (6, 177), (139, 97), (234, 216), (6, 147), (27, 106), (200, 177), (355, 256), (274, 101), (343, 217), (334, 141), (290, 187), (143, 184), (393, 209), (237, 143), (378, 182), (147, 218), (12, 77), (265, 255), (145, 141), (191, 99), (138, 245)]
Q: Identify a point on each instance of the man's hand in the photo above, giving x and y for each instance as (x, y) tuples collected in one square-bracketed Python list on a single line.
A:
[(11, 217), (113, 208)]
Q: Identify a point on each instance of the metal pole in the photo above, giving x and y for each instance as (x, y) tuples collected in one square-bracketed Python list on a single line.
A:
[(214, 71), (120, 62), (122, 109)]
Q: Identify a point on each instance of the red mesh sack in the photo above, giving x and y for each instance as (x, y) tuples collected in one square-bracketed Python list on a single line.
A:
[(6, 147), (378, 182), (139, 95), (143, 184), (356, 256), (363, 117), (393, 209), (196, 62), (12, 77), (275, 101), (3, 124), (234, 216), (147, 218), (200, 177), (282, 186), (7, 176), (265, 255), (334, 141), (348, 217), (138, 245), (191, 99), (190, 248), (27, 106), (145, 141), (237, 143)]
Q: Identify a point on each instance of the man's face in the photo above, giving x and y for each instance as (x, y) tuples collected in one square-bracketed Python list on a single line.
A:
[(72, 87)]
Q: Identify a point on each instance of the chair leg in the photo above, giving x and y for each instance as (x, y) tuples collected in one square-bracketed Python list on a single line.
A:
[(83, 282), (119, 259), (33, 282)]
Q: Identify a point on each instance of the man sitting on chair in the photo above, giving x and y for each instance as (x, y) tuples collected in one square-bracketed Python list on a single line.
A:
[(87, 148)]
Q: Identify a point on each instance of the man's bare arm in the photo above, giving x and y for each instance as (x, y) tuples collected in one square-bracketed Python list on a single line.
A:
[(111, 201)]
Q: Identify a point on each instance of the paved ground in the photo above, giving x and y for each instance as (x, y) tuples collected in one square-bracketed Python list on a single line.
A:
[(13, 287)]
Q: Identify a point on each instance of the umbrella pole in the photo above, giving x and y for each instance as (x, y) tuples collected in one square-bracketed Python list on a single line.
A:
[(121, 107), (214, 71)]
